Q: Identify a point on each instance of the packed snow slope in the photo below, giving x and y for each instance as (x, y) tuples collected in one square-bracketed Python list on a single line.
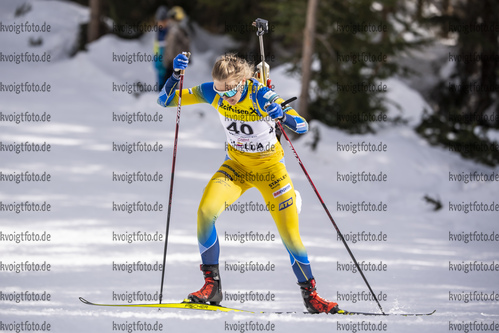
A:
[(81, 217)]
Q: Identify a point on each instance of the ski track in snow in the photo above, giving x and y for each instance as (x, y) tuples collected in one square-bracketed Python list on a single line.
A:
[(84, 254)]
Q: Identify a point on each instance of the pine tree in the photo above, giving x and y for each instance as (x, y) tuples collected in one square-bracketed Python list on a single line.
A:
[(465, 103), (354, 48)]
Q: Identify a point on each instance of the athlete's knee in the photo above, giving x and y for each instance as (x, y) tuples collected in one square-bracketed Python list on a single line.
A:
[(206, 215), (291, 239)]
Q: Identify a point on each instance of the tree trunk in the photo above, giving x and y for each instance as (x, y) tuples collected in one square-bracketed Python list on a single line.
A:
[(448, 11), (308, 51), (419, 9), (94, 24)]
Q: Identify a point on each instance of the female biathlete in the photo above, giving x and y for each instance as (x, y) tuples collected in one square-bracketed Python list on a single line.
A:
[(248, 111)]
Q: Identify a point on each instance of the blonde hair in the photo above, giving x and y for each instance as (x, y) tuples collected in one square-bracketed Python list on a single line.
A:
[(230, 66)]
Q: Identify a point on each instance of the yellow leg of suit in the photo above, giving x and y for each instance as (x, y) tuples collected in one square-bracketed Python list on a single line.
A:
[(273, 182)]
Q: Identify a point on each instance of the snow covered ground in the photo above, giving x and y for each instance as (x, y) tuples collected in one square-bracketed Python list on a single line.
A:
[(415, 259)]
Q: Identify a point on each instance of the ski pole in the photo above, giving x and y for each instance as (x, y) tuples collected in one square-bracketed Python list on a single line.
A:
[(180, 86), (328, 213)]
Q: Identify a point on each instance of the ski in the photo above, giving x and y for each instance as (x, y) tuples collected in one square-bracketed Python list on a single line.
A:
[(183, 305), (209, 307), (357, 313)]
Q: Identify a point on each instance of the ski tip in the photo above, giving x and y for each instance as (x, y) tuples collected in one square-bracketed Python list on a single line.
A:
[(84, 300), (418, 314), (353, 313)]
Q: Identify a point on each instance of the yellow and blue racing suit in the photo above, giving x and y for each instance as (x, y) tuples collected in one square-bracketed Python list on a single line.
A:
[(255, 158)]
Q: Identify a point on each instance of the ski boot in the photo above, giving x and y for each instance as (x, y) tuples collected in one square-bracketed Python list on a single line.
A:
[(212, 290), (313, 302)]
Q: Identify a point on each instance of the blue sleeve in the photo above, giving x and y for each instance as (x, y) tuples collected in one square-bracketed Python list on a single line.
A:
[(265, 96), (168, 96), (168, 92), (295, 123)]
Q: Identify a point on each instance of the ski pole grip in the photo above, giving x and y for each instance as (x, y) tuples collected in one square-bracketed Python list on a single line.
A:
[(283, 104), (188, 55)]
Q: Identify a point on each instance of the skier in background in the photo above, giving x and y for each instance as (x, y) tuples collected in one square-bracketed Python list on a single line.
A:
[(248, 111), (160, 44), (171, 39), (177, 40)]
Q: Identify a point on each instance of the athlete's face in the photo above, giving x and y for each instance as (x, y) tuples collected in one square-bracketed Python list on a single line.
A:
[(230, 89)]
